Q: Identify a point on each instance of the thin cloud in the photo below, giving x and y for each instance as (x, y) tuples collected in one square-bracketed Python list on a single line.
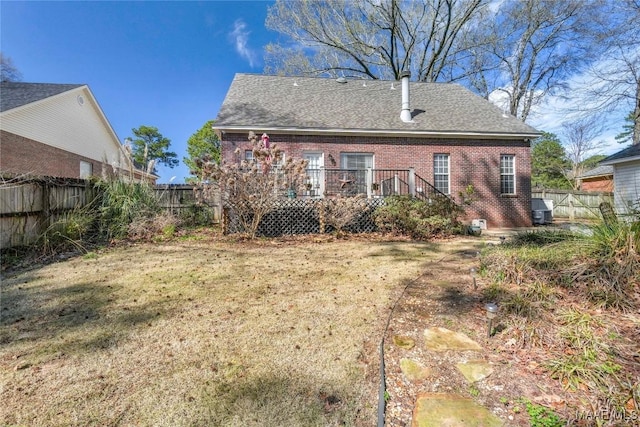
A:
[(240, 38)]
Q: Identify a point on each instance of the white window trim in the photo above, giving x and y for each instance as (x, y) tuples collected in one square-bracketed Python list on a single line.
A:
[(356, 153), (513, 166), (88, 167), (448, 156)]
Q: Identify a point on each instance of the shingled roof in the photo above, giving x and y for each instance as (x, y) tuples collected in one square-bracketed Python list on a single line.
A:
[(628, 154), (602, 170), (308, 104), (17, 94)]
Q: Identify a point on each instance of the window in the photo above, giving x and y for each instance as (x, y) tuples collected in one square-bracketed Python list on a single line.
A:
[(507, 174), (358, 161), (86, 169), (441, 172), (248, 156)]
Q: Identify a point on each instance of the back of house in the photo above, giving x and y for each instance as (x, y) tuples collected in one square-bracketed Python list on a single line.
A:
[(374, 134)]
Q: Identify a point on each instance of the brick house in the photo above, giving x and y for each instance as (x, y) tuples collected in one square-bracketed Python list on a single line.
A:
[(58, 130), (443, 134), (599, 178)]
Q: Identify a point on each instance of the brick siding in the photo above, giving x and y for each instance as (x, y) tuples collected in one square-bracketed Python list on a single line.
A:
[(475, 162), (601, 183), (23, 156)]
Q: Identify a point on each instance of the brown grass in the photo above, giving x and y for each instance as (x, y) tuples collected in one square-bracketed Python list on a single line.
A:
[(202, 332)]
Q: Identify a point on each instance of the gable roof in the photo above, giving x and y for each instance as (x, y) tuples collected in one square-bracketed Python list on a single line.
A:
[(627, 155), (601, 170), (314, 105), (17, 94)]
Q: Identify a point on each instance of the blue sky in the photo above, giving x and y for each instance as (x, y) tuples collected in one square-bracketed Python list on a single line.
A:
[(163, 64)]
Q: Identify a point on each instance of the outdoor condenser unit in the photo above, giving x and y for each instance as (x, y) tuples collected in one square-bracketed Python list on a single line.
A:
[(541, 211)]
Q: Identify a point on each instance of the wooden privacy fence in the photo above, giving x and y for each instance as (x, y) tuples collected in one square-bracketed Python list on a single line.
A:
[(572, 204), (180, 200), (29, 206)]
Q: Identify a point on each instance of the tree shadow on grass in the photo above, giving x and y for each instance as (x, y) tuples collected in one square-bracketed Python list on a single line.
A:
[(275, 399), (77, 318)]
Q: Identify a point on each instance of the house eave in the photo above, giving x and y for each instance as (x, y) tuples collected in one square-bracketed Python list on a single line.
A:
[(621, 160), (380, 132)]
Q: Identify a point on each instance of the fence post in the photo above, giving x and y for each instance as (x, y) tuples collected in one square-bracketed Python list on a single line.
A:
[(572, 209), (412, 182), (322, 181), (46, 206), (368, 181)]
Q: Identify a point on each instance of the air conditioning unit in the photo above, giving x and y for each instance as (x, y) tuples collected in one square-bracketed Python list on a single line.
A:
[(541, 211)]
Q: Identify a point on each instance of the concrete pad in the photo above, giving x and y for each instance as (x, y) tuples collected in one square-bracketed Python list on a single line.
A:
[(413, 371), (475, 370), (450, 410), (442, 339)]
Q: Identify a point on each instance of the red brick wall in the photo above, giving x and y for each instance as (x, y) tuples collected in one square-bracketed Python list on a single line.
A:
[(475, 162), (601, 183), (22, 156)]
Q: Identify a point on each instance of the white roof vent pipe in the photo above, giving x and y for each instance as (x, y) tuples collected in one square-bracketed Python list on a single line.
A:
[(405, 114)]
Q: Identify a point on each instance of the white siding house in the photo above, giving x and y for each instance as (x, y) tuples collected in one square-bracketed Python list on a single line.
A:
[(57, 130), (626, 178)]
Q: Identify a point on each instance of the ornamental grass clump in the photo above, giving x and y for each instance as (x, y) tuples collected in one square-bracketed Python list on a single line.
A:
[(611, 272), (122, 203), (68, 231)]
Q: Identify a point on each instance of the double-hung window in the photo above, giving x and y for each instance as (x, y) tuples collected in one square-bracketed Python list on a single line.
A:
[(441, 172), (507, 174), (356, 161)]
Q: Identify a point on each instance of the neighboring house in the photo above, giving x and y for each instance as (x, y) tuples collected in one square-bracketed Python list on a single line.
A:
[(599, 178), (626, 178), (444, 133), (58, 130)]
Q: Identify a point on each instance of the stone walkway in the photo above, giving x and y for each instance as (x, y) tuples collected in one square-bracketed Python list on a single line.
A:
[(448, 409), (444, 409)]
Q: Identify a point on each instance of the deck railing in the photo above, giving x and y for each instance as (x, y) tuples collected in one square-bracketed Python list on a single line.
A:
[(372, 183)]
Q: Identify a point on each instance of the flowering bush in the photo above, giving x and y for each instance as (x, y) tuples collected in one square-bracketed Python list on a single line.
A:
[(250, 188)]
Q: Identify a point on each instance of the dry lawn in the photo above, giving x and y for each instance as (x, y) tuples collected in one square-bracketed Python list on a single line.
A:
[(202, 332)]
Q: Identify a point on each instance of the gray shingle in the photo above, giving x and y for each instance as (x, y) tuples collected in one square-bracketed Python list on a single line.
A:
[(601, 170), (632, 151), (267, 102), (17, 94)]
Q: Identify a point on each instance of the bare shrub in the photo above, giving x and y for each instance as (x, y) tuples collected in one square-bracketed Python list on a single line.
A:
[(250, 188), (161, 225), (339, 212)]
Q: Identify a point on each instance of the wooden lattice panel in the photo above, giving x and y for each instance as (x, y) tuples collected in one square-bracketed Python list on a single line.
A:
[(299, 216)]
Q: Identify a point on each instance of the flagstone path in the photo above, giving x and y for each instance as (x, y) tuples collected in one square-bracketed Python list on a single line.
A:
[(446, 409)]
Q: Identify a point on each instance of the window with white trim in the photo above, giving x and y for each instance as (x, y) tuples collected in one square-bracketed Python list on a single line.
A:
[(507, 174), (441, 172), (358, 161), (86, 169)]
